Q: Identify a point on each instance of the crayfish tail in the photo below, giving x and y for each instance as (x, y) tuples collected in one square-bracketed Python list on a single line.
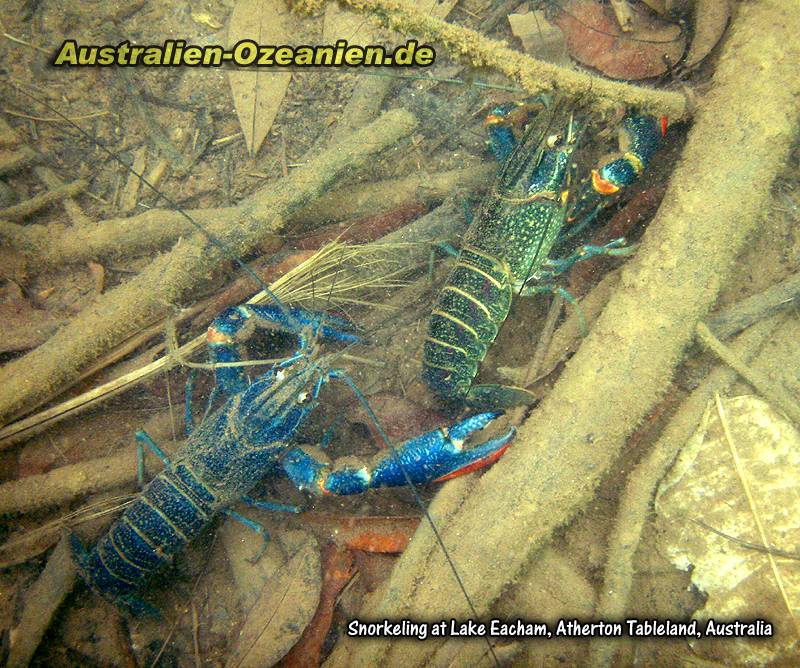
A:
[(87, 571)]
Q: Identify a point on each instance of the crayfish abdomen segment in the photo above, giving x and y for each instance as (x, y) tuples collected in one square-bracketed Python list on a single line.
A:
[(171, 511), (465, 321)]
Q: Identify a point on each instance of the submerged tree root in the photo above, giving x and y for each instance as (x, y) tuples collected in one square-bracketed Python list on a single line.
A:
[(29, 206), (69, 482), (116, 315), (48, 246), (493, 526)]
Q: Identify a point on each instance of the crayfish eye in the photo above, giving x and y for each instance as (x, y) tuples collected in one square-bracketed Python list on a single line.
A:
[(554, 140)]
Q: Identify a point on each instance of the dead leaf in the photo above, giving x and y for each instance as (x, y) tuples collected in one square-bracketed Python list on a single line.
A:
[(373, 568), (370, 533), (594, 38), (710, 20), (286, 605), (706, 485), (258, 92), (539, 37)]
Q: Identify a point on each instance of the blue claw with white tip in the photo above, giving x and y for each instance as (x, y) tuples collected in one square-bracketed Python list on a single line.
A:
[(435, 456)]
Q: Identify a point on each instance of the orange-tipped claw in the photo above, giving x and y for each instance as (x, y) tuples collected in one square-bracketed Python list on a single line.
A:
[(601, 185)]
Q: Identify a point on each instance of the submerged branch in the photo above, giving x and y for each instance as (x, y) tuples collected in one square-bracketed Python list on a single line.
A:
[(47, 246)]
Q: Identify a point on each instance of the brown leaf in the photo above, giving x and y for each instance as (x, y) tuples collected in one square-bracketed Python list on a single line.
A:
[(373, 568), (594, 38), (284, 608), (258, 92)]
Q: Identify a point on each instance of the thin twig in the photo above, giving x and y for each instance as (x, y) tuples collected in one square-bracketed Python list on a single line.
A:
[(53, 119), (772, 391), (776, 551), (198, 661), (545, 337), (17, 40)]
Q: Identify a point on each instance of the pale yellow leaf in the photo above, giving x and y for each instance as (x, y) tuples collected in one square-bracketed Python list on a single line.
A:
[(539, 37), (710, 500), (258, 92)]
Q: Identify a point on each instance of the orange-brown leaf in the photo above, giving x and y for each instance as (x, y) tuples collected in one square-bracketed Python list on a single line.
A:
[(595, 39)]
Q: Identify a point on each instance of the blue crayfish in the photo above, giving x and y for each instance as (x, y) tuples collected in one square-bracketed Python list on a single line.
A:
[(507, 248), (249, 437)]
